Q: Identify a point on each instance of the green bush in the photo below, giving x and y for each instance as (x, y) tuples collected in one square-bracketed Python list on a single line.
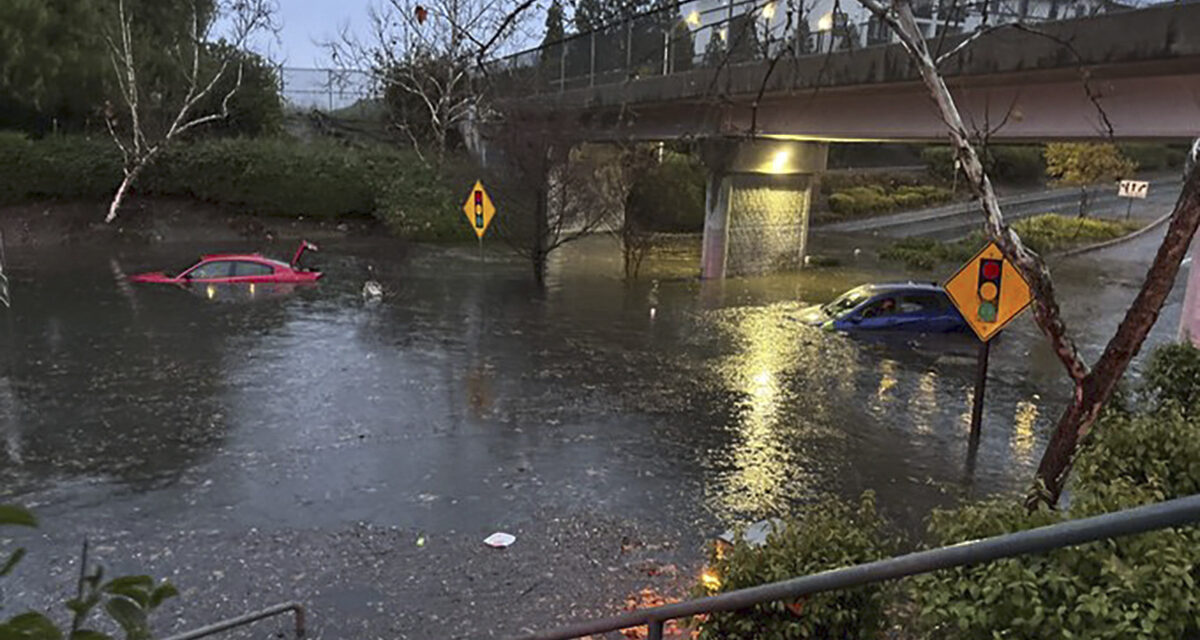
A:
[(416, 204), (1052, 232), (1172, 377), (1131, 587), (1045, 233), (824, 536), (927, 253), (1006, 163), (939, 161), (876, 198), (1154, 157), (73, 167), (265, 176), (844, 180), (669, 197), (1012, 163)]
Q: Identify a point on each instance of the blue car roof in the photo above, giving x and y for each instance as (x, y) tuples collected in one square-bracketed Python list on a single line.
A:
[(902, 286)]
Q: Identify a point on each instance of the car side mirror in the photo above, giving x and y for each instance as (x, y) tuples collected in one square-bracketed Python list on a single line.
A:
[(855, 319)]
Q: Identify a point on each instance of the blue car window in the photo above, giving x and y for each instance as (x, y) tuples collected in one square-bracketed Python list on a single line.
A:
[(880, 307), (921, 304)]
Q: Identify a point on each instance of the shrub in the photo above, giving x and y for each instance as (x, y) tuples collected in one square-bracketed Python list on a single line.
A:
[(1008, 163), (939, 161), (824, 536), (1171, 377), (876, 198), (415, 204), (1044, 233), (70, 167), (1130, 587), (1013, 163), (927, 253), (669, 196), (269, 176), (1154, 157)]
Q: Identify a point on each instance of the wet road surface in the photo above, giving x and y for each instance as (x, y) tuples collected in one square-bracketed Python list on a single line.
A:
[(277, 444)]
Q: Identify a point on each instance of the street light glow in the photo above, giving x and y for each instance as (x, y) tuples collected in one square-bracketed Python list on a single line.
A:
[(693, 18), (779, 162), (826, 22), (768, 11)]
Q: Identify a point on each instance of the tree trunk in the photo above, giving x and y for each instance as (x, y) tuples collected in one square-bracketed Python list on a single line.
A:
[(538, 251), (123, 190), (1097, 387)]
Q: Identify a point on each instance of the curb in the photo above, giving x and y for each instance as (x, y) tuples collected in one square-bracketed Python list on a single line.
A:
[(1115, 241)]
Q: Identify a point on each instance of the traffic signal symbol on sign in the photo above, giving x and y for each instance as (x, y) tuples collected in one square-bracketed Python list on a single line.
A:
[(989, 292), (479, 209), (989, 289)]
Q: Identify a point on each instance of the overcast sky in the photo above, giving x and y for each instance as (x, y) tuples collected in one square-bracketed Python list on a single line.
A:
[(308, 22)]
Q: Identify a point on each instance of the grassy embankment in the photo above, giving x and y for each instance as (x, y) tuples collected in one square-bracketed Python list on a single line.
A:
[(1044, 234)]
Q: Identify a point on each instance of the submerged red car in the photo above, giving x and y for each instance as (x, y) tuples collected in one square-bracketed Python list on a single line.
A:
[(231, 268)]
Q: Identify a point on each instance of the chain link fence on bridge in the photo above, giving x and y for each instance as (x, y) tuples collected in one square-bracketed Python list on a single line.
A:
[(328, 90), (692, 34)]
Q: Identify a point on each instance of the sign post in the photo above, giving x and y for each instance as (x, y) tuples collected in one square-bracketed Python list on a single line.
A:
[(989, 292), (1130, 189)]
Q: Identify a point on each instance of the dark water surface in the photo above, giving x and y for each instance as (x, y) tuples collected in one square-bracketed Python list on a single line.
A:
[(468, 400)]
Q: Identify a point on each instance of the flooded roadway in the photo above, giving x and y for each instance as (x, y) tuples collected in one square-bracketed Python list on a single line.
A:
[(198, 431)]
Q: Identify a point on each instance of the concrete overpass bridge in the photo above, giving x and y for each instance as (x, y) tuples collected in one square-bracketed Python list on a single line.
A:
[(764, 126)]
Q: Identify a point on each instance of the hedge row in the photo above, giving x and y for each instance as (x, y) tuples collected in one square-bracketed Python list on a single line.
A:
[(1044, 233), (265, 176), (1007, 163), (876, 199)]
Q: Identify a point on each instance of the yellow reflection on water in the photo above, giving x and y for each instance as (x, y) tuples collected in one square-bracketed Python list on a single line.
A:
[(922, 406), (887, 379), (782, 376), (1022, 440)]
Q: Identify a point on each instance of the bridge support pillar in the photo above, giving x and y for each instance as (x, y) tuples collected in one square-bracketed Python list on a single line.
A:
[(757, 205)]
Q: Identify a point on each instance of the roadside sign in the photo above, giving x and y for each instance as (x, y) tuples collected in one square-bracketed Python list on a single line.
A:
[(988, 291), (479, 209), (1133, 189)]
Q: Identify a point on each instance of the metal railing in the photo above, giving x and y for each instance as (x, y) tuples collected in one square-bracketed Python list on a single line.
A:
[(1143, 519), (250, 618), (679, 36)]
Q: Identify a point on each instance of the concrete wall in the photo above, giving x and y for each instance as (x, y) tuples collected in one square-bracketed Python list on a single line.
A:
[(757, 206)]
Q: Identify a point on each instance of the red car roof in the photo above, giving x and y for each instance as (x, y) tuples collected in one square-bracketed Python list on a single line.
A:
[(233, 256)]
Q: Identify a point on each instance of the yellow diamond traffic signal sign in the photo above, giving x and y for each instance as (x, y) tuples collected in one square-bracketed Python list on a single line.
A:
[(479, 209), (988, 291)]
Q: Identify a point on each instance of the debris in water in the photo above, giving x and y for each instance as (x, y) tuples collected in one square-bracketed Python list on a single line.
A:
[(500, 540)]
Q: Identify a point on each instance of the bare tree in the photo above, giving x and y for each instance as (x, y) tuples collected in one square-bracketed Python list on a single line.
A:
[(422, 57), (637, 238), (555, 191), (147, 124), (1093, 385)]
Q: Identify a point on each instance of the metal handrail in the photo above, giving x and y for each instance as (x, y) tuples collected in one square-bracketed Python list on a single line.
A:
[(241, 621), (1143, 519)]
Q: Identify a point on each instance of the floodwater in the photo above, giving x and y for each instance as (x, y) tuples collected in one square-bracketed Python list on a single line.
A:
[(468, 400)]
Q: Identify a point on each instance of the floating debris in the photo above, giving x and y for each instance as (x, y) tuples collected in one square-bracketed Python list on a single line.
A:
[(500, 540)]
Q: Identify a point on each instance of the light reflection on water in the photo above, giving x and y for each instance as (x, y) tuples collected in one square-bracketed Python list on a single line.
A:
[(466, 384), (1023, 440)]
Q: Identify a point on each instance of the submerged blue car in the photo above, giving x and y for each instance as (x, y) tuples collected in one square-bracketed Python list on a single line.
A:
[(903, 306)]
